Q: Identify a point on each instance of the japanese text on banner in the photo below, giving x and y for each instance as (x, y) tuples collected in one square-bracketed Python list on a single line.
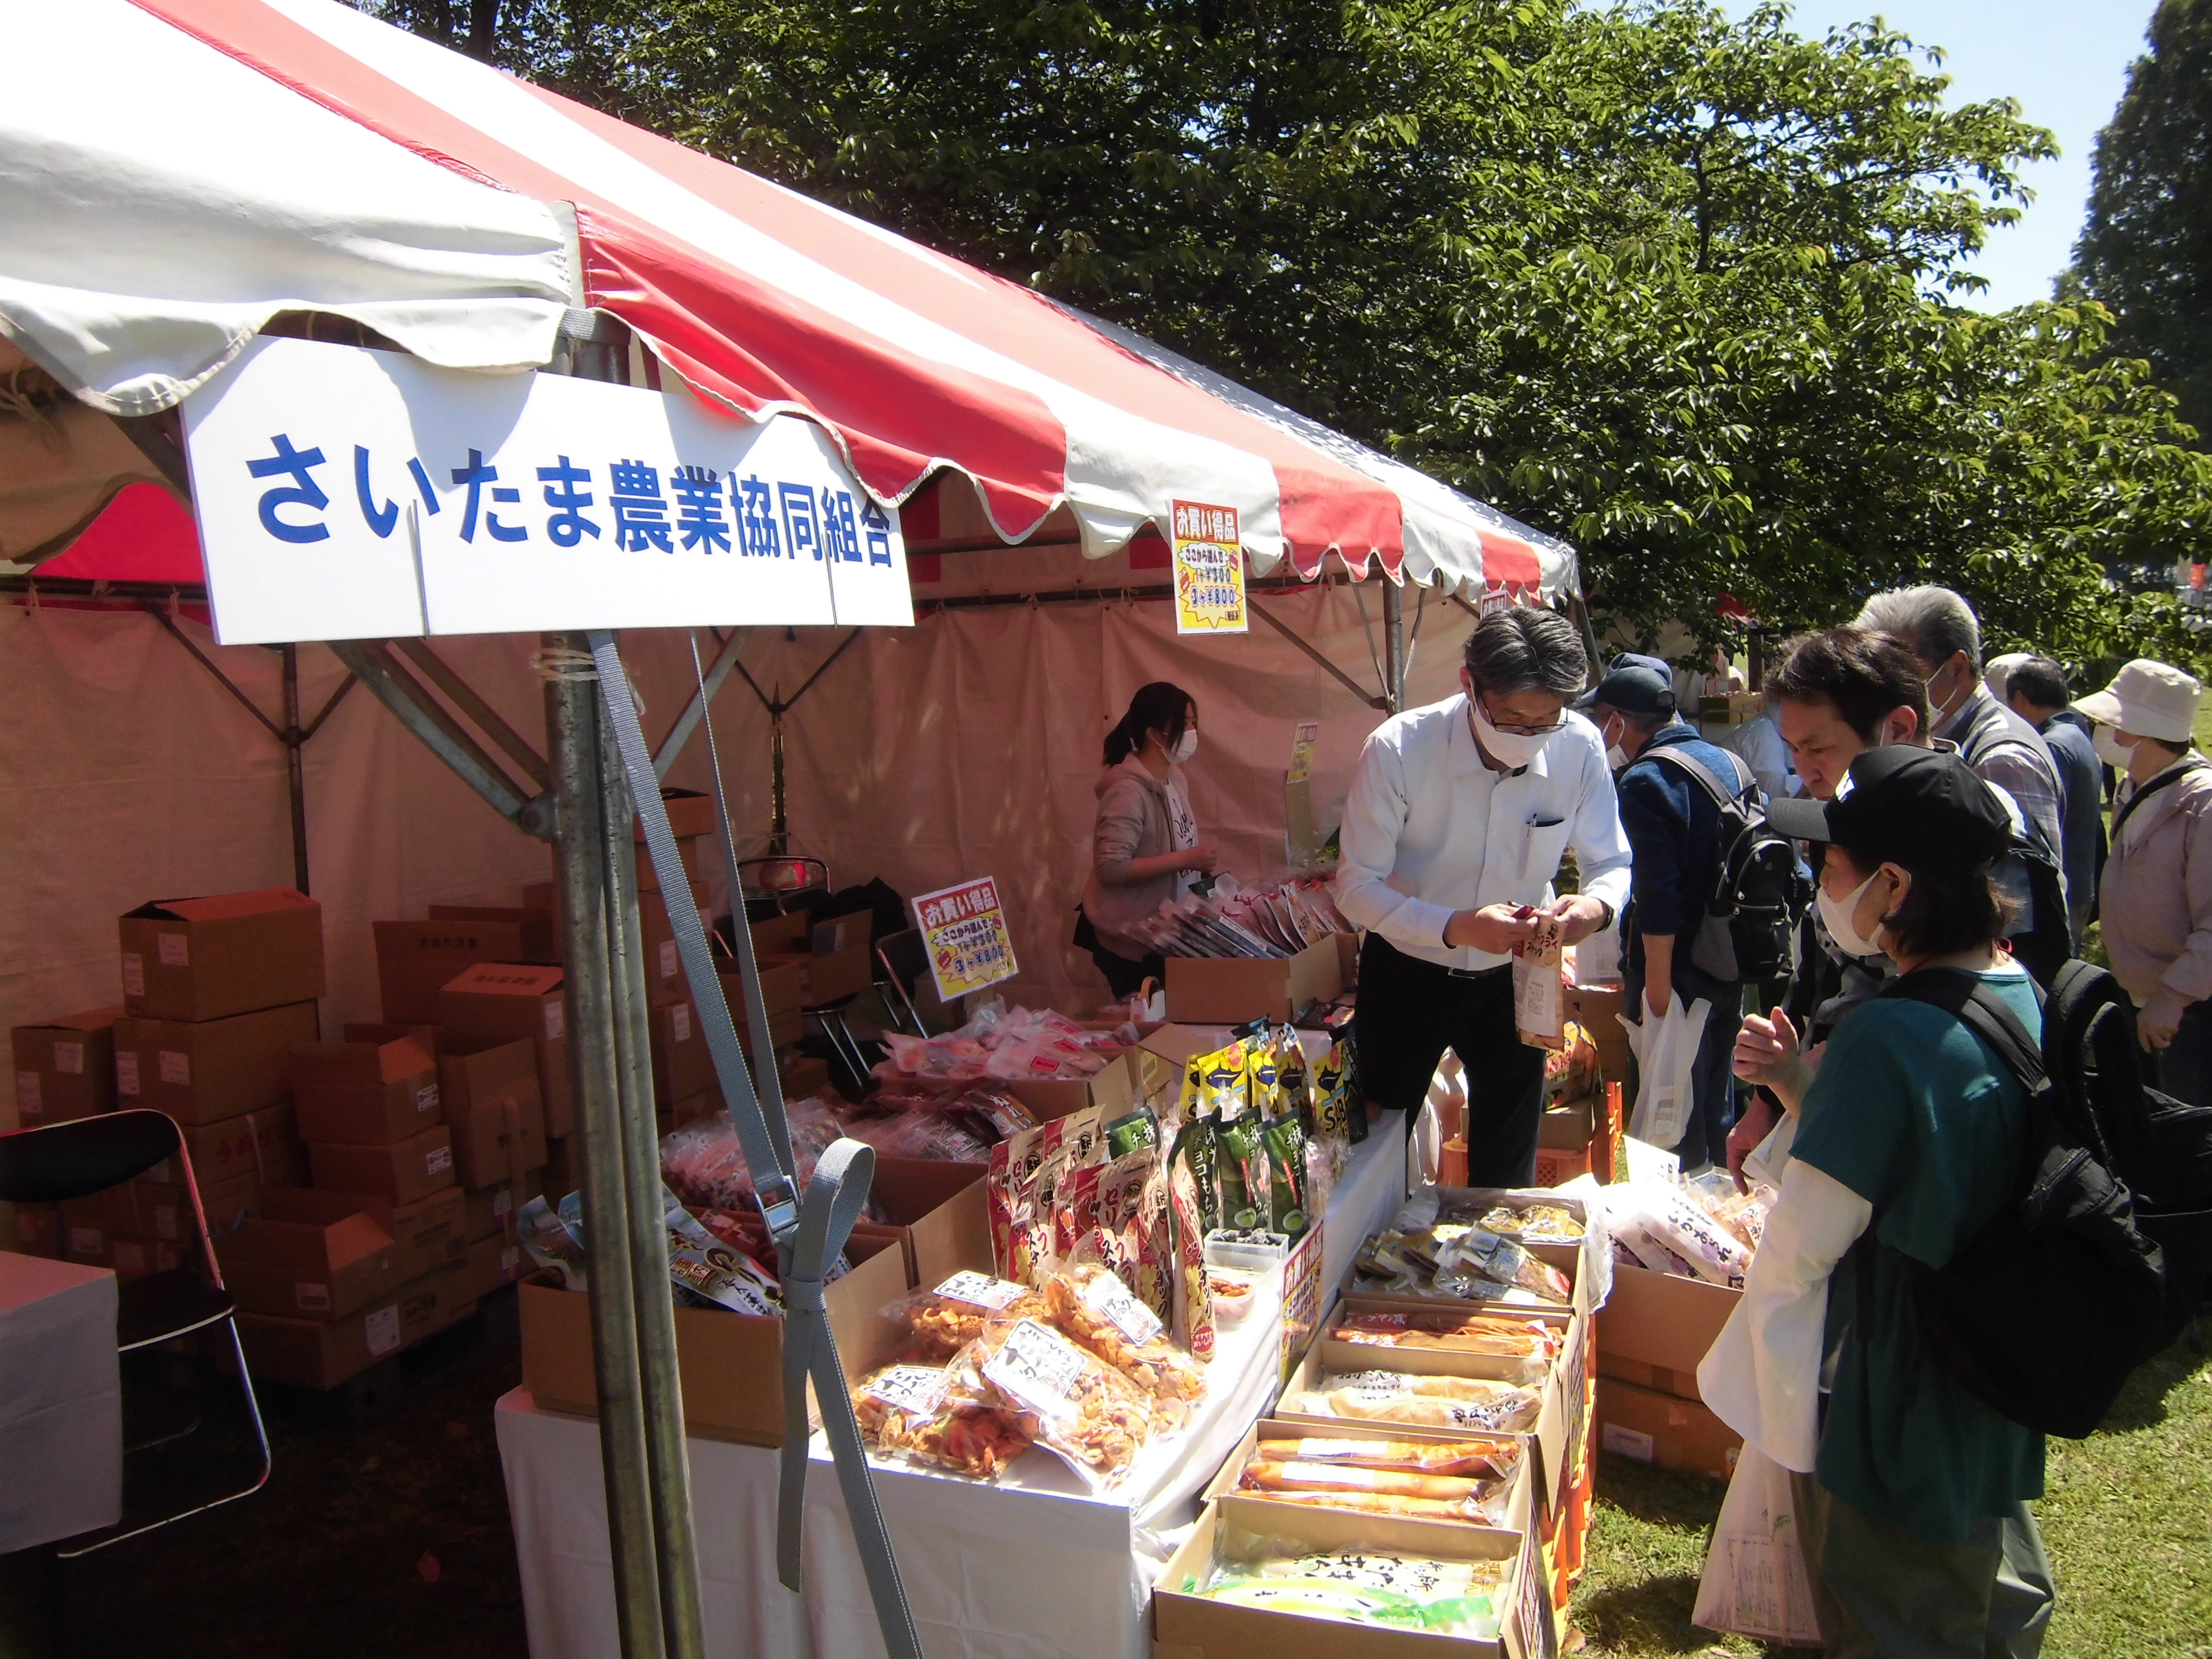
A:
[(1209, 569), (963, 929)]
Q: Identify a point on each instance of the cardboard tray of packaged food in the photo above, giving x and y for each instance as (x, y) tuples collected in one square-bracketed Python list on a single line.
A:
[(1520, 1501), (1434, 1362), (1235, 990), (1656, 1327), (1550, 1440), (731, 1364), (1188, 1626)]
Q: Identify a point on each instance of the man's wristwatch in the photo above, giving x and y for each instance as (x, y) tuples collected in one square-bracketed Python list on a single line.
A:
[(1605, 925)]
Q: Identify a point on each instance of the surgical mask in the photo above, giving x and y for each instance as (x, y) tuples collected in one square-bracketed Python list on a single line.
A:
[(1944, 710), (1510, 749), (1615, 756), (1185, 746), (2111, 750), (1837, 913)]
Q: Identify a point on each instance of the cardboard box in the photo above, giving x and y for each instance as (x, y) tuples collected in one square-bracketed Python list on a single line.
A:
[(135, 1258), (682, 1067), (311, 1353), (432, 1037), (310, 1254), (803, 1076), (430, 1233), (664, 967), (1596, 1009), (493, 1108), (205, 1071), (65, 1067), (85, 1235), (38, 1229), (1654, 1328), (939, 1213), (1233, 990), (1663, 1429), (492, 1262), (732, 1364), (206, 958), (539, 940), (161, 1211), (416, 960), (366, 1094), (1188, 1626), (783, 989), (489, 1212), (497, 1002), (1114, 1089), (835, 955), (263, 1145), (670, 1118), (1570, 1126), (414, 1169)]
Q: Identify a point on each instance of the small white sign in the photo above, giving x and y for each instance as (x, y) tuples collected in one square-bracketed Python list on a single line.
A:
[(381, 1328), (69, 1057), (176, 1068), (917, 1391), (133, 974), (554, 1024), (437, 1158), (668, 958), (349, 494), (679, 1019), (1110, 1298), (980, 1289), (176, 949), (1037, 1366), (425, 1097), (126, 1073), (26, 1095), (312, 1298)]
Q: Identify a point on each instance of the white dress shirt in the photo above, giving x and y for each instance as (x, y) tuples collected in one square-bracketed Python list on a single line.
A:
[(1429, 830)]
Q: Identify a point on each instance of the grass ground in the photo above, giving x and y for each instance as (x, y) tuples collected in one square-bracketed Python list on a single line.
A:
[(2127, 1518)]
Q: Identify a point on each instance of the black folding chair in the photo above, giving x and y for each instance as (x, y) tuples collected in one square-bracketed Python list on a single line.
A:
[(66, 1161), (905, 961)]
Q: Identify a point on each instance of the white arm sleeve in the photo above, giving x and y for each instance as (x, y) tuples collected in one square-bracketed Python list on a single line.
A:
[(1762, 1376)]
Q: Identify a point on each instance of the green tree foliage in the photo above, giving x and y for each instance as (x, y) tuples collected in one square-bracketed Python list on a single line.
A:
[(1680, 287), (2147, 250)]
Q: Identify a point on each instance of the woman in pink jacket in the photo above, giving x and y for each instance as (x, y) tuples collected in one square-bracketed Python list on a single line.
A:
[(1144, 844), (2155, 900)]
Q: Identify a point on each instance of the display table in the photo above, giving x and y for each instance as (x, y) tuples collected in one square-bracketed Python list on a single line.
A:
[(1030, 1566), (60, 1402)]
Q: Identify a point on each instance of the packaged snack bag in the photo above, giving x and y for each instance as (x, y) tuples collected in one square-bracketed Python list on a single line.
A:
[(945, 1320), (904, 1409), (1093, 1308), (1241, 1167), (1285, 1143), (705, 1267), (542, 1232), (1068, 1400), (1194, 1303), (1427, 1402)]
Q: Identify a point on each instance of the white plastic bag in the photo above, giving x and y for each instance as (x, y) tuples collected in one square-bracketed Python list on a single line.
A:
[(1665, 1057), (1755, 1583)]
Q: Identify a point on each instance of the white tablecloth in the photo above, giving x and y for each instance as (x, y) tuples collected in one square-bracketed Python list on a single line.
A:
[(60, 1402), (1031, 1566)]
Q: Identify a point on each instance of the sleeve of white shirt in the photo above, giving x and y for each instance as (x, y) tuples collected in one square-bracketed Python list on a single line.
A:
[(1762, 1374), (1601, 844), (1374, 813)]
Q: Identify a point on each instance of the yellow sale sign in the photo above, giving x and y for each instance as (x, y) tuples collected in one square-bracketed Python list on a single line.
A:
[(1209, 570)]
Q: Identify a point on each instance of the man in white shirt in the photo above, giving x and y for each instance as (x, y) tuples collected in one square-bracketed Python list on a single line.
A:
[(1452, 835)]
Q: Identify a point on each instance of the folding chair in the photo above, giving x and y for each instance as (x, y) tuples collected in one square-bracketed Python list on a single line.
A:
[(66, 1161), (904, 960)]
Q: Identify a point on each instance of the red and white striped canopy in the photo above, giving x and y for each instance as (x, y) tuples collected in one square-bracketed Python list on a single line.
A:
[(328, 161)]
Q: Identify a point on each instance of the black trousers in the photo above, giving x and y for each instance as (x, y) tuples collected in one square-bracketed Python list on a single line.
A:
[(1408, 1013), (1125, 975)]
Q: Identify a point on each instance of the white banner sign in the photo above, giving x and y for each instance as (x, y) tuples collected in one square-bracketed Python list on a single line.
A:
[(344, 494)]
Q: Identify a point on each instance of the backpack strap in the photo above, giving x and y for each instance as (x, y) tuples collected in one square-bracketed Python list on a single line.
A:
[(2164, 779), (1722, 794), (1970, 1001)]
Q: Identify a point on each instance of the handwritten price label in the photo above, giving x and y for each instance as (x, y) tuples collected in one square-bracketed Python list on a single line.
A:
[(1037, 1367), (917, 1391), (981, 1289), (1110, 1298)]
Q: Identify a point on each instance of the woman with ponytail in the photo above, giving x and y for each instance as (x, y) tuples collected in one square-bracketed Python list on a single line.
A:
[(1144, 845)]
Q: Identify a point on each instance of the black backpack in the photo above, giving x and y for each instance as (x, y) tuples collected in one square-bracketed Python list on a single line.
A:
[(1759, 889), (2102, 1261)]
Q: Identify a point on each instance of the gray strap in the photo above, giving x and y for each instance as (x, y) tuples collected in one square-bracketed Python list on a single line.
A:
[(1720, 792), (809, 1233)]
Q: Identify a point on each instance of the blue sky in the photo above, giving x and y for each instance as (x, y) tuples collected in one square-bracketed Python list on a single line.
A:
[(2065, 60)]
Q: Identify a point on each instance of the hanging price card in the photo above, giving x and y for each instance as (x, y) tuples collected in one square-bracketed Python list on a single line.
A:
[(1209, 570)]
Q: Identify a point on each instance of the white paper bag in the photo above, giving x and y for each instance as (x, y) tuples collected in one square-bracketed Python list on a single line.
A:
[(1665, 1060), (1755, 1583)]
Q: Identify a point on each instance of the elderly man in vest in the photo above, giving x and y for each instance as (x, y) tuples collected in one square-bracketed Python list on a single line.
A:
[(1941, 630)]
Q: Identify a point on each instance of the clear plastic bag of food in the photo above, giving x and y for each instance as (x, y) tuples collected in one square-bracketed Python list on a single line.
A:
[(702, 1265), (1532, 1342), (1067, 1399), (704, 1163), (1479, 1259), (1493, 1457), (1348, 1485), (946, 1319), (542, 1232), (1429, 1403), (1533, 1224), (905, 1410), (1464, 1598), (1092, 1307), (924, 1135)]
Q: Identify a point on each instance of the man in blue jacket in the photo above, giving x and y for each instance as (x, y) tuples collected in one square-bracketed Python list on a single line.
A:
[(1672, 824)]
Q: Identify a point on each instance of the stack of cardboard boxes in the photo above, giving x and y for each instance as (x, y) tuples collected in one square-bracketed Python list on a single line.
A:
[(216, 992)]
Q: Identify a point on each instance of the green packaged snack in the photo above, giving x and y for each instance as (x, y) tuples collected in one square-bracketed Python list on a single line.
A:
[(1293, 1089), (1194, 1146), (1241, 1172), (1137, 1131), (1285, 1138)]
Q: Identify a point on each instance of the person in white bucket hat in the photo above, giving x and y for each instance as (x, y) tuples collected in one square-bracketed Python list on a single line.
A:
[(2156, 898)]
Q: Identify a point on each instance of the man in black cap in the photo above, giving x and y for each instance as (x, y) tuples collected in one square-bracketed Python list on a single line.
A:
[(1671, 782)]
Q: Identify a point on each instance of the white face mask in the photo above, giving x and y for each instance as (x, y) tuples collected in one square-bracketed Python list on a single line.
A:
[(1837, 913), (2110, 749), (1509, 749), (1185, 746)]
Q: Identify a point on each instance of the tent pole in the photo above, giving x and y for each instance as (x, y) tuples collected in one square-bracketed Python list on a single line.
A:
[(1394, 643), (668, 1469), (572, 730), (295, 772)]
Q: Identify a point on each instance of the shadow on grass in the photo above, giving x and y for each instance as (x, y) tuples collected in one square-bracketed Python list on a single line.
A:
[(2143, 1403), (1661, 1497)]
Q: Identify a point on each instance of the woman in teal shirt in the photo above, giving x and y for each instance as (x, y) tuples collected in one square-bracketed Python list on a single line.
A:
[(1910, 1493)]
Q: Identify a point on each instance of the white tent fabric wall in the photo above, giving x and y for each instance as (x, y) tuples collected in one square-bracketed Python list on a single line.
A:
[(967, 746)]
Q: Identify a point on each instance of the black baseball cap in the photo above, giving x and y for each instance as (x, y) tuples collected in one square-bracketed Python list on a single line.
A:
[(1633, 689), (1923, 808)]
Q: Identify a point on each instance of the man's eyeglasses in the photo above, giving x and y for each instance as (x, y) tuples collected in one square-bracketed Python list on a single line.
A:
[(1513, 730)]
